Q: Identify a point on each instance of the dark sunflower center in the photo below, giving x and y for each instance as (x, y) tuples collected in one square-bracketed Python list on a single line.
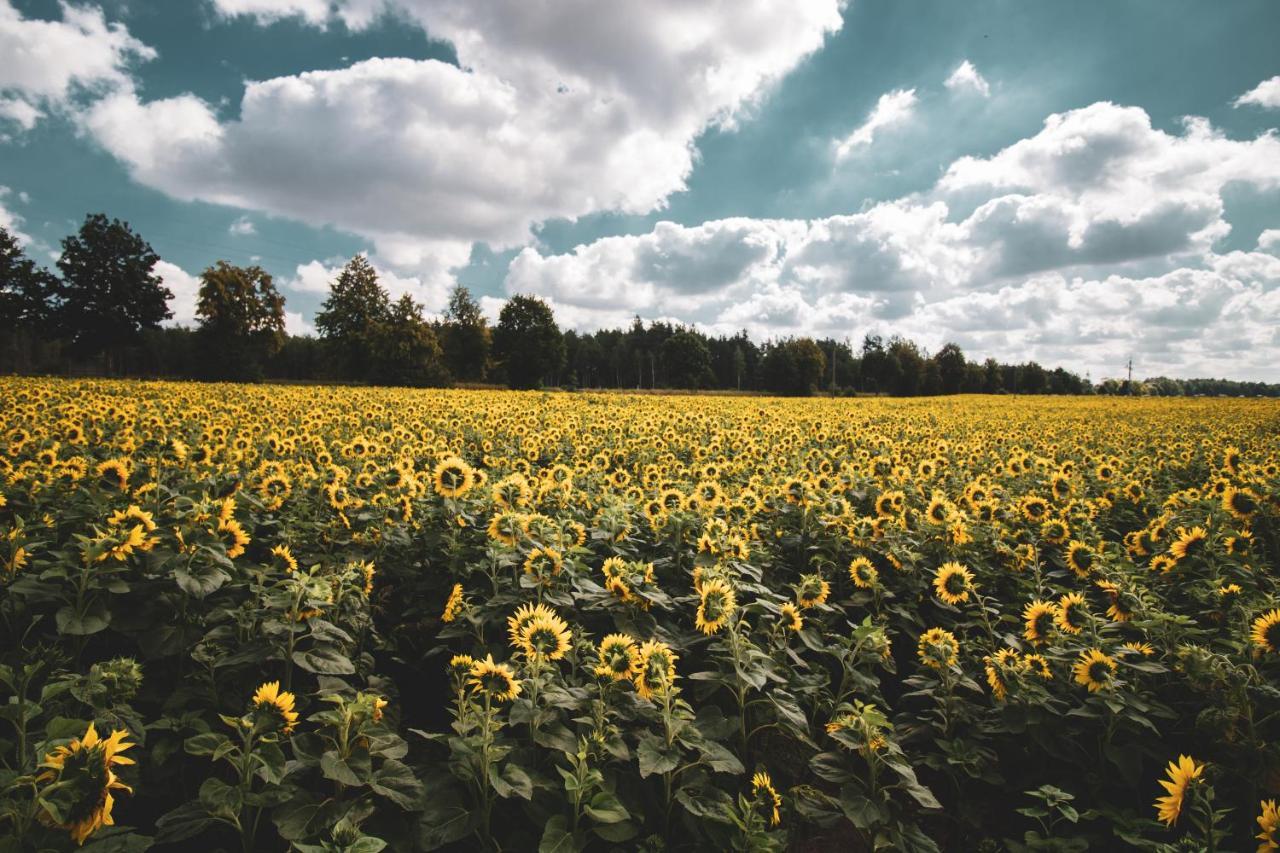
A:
[(1272, 634), (955, 583), (1098, 671)]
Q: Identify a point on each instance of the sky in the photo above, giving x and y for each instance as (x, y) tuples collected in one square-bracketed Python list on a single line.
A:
[(1077, 183)]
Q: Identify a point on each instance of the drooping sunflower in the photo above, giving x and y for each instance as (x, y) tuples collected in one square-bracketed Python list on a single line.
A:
[(997, 667), (278, 705), (507, 527), (765, 795), (1118, 606), (1269, 823), (618, 658), (545, 637), (952, 583), (284, 559), (812, 591), (1189, 543), (495, 680), (453, 605), (460, 667), (84, 772), (790, 617), (1080, 558), (863, 573), (1039, 617), (655, 669), (1072, 613), (938, 648), (1266, 632), (453, 477), (1094, 669), (717, 605), (1144, 649), (1182, 774), (235, 537)]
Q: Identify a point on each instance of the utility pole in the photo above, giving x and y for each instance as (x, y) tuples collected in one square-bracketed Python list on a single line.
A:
[(1129, 384)]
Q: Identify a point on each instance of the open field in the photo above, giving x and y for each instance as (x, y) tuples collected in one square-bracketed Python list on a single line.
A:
[(338, 618)]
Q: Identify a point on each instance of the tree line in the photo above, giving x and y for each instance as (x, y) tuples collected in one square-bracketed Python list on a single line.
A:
[(102, 313)]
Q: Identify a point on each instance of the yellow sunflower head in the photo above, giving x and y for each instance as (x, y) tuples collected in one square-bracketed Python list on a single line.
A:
[(717, 605), (953, 582), (1094, 669), (938, 648), (79, 780), (497, 681), (618, 658), (1183, 774), (274, 708)]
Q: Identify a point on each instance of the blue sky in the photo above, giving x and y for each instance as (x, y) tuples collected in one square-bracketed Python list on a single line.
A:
[(1078, 183)]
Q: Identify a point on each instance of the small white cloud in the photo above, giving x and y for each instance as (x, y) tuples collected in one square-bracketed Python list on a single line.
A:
[(296, 324), (19, 112), (967, 79), (186, 290), (1266, 94), (243, 227), (893, 108)]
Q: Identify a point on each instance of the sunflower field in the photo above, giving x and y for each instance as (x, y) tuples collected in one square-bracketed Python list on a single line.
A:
[(353, 619)]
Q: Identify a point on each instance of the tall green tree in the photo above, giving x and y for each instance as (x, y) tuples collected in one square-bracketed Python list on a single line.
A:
[(241, 320), (27, 291), (110, 291), (466, 336), (528, 342), (349, 318), (687, 360), (406, 350)]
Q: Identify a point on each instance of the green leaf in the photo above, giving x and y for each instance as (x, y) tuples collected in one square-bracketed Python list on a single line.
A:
[(76, 625), (605, 808), (556, 837), (205, 744), (325, 660), (655, 756), (396, 782), (199, 579), (186, 821)]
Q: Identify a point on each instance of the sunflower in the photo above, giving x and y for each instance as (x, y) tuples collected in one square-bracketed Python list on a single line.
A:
[(655, 669), (1269, 823), (890, 504), (1189, 543), (1144, 649), (952, 583), (1231, 459), (938, 648), (1080, 558), (284, 559), (619, 657), (453, 478), (496, 680), (790, 617), (1240, 543), (1094, 669), (83, 773), (507, 527), (1163, 563), (1072, 613), (236, 537), (1039, 617), (997, 666), (1039, 666), (812, 591), (1118, 608), (278, 706), (525, 614), (1034, 508), (545, 637), (1241, 503), (863, 573), (765, 794), (1266, 631), (1182, 773), (115, 473), (543, 564), (717, 605), (939, 510), (453, 605), (460, 666)]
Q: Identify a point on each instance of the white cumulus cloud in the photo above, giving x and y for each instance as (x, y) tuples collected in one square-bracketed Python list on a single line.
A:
[(1265, 94), (186, 291), (556, 112), (967, 79), (46, 62), (893, 108), (242, 227)]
